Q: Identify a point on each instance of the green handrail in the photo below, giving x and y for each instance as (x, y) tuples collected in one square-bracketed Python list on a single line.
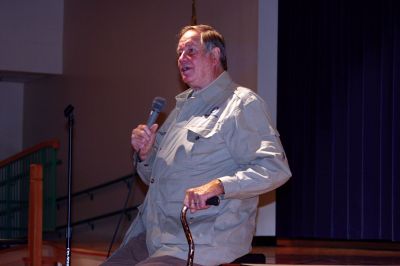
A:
[(14, 189)]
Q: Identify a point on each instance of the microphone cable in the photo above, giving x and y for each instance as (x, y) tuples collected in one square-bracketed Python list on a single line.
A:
[(156, 107), (134, 174)]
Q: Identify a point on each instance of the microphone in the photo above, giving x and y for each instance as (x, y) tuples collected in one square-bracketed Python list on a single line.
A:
[(156, 108)]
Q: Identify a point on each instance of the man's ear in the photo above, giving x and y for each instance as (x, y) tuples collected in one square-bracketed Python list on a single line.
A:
[(216, 53)]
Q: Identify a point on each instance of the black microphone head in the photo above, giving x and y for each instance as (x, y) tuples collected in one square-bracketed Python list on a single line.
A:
[(68, 110), (158, 104)]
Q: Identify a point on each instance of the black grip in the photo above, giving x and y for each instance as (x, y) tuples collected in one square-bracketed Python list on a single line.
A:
[(213, 201)]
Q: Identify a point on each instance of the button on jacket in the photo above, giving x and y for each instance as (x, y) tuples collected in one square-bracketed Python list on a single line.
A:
[(223, 131)]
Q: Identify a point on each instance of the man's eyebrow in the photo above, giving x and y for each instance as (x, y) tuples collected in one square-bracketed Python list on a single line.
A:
[(188, 43), (185, 45)]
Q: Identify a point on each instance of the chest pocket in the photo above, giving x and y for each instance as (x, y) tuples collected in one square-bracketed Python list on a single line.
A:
[(204, 136), (202, 127)]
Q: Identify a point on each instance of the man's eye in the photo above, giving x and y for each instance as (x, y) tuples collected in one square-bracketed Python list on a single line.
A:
[(191, 51)]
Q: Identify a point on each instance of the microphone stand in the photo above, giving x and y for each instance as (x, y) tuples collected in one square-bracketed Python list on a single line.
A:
[(68, 112)]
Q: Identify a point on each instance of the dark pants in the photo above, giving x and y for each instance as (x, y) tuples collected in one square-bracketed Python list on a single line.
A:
[(135, 253)]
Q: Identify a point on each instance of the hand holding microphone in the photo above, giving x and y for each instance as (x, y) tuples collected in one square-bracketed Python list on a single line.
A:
[(143, 136)]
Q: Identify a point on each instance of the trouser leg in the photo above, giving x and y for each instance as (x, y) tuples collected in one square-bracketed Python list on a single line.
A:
[(164, 261), (130, 254), (135, 253)]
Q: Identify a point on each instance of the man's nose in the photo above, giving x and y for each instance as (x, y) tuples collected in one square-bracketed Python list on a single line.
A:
[(185, 55), (182, 57)]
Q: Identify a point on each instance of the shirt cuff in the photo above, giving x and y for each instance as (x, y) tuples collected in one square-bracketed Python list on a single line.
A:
[(229, 186)]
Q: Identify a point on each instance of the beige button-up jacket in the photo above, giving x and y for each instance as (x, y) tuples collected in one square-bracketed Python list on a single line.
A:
[(224, 131)]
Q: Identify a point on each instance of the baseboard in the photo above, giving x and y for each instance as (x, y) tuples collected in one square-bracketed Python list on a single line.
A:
[(264, 241)]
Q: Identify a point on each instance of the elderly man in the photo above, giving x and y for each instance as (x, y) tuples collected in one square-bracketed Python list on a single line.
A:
[(217, 141)]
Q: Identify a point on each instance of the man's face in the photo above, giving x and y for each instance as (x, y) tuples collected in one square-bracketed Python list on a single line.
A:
[(195, 64)]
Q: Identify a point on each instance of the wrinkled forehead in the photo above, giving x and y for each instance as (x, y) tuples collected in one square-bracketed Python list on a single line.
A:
[(190, 37)]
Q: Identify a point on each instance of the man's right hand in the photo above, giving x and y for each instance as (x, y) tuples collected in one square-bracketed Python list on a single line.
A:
[(142, 139)]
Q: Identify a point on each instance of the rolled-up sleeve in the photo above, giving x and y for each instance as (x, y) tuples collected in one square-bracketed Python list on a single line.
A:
[(255, 146)]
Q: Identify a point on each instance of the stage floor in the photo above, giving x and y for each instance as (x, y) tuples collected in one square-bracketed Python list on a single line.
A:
[(313, 252)]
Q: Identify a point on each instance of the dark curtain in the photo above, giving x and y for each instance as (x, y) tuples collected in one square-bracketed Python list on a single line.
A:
[(338, 115)]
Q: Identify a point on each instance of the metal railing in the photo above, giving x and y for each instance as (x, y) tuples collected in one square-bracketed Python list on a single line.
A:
[(14, 193), (14, 189), (89, 192)]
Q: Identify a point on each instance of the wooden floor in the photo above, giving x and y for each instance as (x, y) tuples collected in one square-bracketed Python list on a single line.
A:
[(312, 252), (308, 252)]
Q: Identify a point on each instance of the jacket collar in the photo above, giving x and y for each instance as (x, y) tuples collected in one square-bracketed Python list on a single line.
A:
[(213, 93)]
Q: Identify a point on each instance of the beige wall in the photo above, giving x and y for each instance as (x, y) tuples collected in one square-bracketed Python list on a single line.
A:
[(119, 55)]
